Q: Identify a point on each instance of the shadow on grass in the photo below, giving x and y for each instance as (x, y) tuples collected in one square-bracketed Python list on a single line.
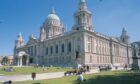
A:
[(36, 83), (39, 83), (118, 78)]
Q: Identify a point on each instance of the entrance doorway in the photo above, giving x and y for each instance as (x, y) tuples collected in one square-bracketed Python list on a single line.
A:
[(24, 60), (31, 60)]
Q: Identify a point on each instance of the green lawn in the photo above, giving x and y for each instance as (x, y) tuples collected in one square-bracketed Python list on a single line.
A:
[(29, 70), (115, 77)]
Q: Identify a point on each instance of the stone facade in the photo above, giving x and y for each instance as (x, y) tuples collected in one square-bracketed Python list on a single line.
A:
[(82, 45)]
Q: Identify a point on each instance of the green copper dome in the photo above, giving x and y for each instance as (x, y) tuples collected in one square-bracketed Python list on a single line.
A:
[(83, 1), (53, 17), (20, 34)]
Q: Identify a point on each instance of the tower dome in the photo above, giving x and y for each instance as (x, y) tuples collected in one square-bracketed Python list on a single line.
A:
[(83, 1), (52, 16)]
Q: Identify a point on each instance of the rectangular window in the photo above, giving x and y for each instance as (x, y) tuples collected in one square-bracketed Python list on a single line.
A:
[(51, 49), (31, 50), (78, 20), (35, 50), (47, 51), (89, 44), (56, 49), (62, 48), (90, 59), (69, 47)]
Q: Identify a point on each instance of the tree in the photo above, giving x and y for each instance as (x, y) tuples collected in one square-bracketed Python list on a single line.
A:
[(5, 60)]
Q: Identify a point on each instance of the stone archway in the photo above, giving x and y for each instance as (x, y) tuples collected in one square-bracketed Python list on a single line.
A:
[(22, 59)]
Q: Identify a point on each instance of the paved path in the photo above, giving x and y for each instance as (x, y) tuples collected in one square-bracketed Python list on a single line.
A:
[(38, 76), (28, 77)]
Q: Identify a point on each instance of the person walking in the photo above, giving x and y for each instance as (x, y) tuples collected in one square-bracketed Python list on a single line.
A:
[(87, 68)]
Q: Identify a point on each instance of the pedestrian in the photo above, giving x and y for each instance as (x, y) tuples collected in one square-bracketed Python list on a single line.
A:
[(87, 68), (33, 75), (5, 82), (80, 78), (125, 67)]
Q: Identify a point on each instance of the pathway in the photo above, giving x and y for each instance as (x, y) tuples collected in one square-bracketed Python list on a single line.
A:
[(38, 76)]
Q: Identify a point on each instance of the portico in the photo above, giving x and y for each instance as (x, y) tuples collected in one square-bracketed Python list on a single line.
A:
[(22, 59)]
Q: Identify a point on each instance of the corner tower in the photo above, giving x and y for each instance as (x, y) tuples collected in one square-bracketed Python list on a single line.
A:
[(19, 41), (83, 17), (124, 36)]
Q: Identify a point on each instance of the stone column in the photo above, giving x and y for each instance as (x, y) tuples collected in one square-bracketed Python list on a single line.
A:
[(18, 61), (27, 60), (21, 61)]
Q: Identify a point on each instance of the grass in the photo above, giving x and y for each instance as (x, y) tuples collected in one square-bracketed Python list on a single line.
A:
[(115, 77), (29, 70)]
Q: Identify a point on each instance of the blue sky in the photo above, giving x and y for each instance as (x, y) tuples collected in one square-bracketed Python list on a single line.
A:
[(26, 16)]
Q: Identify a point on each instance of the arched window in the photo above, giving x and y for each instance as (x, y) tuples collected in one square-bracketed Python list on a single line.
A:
[(62, 48), (78, 17), (69, 47), (77, 28), (56, 48), (84, 17), (31, 50), (51, 49), (77, 54), (35, 50), (47, 51)]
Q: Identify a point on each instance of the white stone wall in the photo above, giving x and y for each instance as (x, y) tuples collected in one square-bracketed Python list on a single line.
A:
[(98, 51), (66, 57), (93, 50)]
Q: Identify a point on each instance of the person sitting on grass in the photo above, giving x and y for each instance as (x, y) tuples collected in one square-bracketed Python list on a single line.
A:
[(8, 82), (80, 78)]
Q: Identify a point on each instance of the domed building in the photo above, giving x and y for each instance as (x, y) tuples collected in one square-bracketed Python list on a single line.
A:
[(81, 45)]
